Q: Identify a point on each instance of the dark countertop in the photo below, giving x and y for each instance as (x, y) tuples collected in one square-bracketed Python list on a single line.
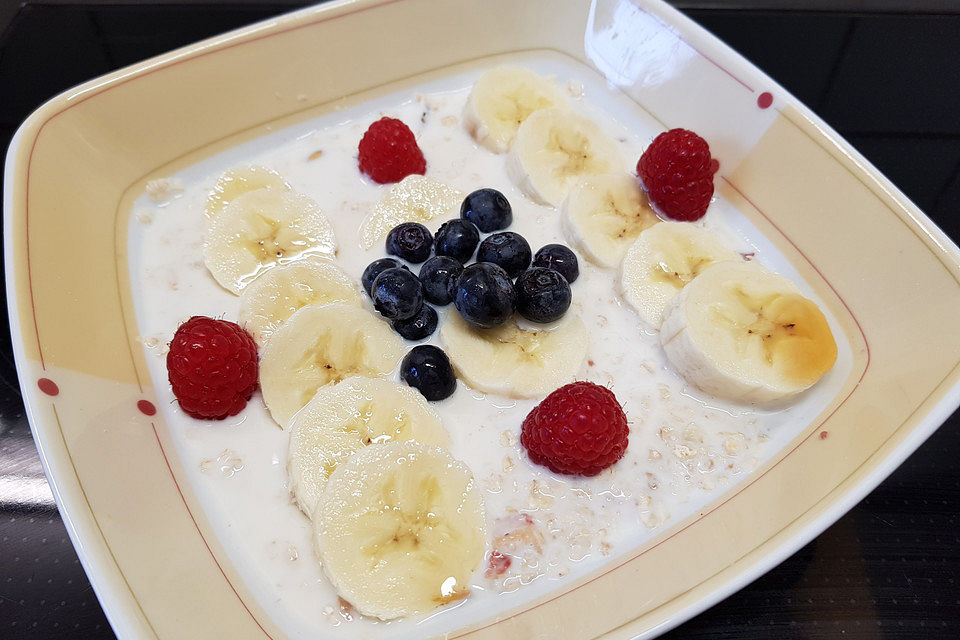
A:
[(889, 81)]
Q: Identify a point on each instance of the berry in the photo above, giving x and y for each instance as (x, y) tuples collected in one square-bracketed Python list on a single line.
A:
[(485, 296), (420, 326), (677, 172), (427, 369), (542, 295), (411, 241), (507, 249), (397, 294), (578, 429), (488, 209), (377, 267), (497, 564), (389, 152), (457, 239), (439, 277), (560, 259), (212, 367)]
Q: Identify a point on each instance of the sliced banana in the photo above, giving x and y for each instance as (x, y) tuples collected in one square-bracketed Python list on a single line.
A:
[(322, 345), (400, 529), (501, 99), (662, 261), (268, 301), (345, 417), (604, 214), (261, 228), (513, 361), (416, 198), (553, 149), (240, 180), (742, 332)]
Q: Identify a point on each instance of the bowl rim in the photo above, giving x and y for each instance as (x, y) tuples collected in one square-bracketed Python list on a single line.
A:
[(78, 522)]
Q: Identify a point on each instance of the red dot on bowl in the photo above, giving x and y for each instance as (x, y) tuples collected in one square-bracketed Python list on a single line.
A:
[(48, 386), (146, 407), (824, 435), (765, 99)]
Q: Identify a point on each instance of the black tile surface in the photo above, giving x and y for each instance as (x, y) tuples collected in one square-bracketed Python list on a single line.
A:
[(936, 160), (900, 73), (43, 590), (46, 50), (130, 34), (887, 570), (798, 50), (946, 209)]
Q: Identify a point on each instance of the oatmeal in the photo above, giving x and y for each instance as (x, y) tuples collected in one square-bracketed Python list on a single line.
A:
[(685, 447)]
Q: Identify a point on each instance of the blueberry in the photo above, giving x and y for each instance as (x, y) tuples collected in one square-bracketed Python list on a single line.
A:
[(488, 209), (419, 326), (439, 277), (427, 369), (457, 239), (411, 241), (485, 296), (507, 249), (397, 294), (377, 267), (560, 259), (543, 295)]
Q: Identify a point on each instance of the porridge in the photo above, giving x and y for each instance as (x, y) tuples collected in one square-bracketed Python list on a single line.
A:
[(302, 486)]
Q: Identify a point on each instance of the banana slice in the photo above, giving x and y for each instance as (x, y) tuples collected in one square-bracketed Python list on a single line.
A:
[(416, 198), (513, 361), (261, 228), (240, 180), (268, 301), (400, 529), (501, 99), (343, 418), (553, 149), (319, 346), (604, 214), (742, 332), (662, 261)]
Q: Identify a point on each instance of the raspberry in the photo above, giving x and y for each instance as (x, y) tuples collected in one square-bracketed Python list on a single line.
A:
[(578, 429), (677, 172), (212, 367), (497, 564), (389, 152)]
